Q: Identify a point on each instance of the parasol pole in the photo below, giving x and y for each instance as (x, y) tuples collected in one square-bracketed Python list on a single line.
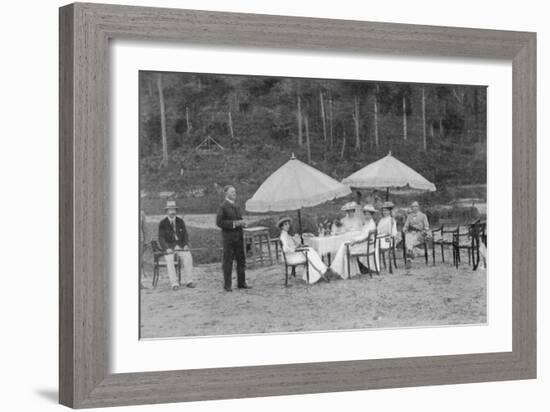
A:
[(388, 192), (300, 225)]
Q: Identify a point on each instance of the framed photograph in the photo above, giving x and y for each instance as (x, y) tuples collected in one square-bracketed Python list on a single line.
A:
[(257, 205)]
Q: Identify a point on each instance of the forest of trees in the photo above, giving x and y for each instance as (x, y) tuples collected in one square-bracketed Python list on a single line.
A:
[(338, 126)]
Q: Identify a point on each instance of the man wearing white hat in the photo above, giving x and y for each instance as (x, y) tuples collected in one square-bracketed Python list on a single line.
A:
[(173, 239)]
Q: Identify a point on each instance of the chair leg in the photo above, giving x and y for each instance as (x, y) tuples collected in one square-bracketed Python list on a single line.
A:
[(426, 252), (368, 265), (307, 272), (443, 254), (384, 259), (286, 275), (348, 258)]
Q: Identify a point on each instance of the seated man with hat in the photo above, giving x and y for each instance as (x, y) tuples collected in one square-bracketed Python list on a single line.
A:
[(350, 222), (340, 262), (173, 239), (296, 254), (416, 229)]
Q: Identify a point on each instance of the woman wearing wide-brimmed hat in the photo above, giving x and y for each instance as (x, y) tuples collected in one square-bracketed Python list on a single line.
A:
[(387, 225), (351, 222), (296, 254), (340, 261)]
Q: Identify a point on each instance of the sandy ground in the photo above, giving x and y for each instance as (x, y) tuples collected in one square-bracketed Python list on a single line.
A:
[(425, 295)]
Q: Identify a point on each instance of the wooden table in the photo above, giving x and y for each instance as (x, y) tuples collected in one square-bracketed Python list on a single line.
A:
[(256, 237)]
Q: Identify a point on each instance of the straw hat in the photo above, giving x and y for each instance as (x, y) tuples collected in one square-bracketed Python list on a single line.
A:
[(387, 205), (349, 206), (283, 220), (369, 208), (171, 204)]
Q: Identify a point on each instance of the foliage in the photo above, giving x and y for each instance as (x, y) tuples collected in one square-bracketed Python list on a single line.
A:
[(262, 112)]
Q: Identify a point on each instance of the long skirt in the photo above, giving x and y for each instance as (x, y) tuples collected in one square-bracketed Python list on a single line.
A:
[(316, 266), (340, 261)]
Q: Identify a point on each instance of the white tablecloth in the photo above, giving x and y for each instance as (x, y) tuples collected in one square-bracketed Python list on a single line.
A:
[(329, 244)]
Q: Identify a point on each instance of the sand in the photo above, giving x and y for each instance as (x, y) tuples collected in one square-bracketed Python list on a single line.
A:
[(424, 296)]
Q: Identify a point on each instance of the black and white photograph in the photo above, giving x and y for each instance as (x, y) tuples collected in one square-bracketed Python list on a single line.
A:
[(283, 205)]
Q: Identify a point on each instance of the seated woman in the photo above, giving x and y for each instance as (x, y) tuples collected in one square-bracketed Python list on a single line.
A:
[(296, 254), (387, 225), (340, 263), (350, 222)]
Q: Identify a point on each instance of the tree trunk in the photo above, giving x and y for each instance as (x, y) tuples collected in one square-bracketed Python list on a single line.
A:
[(331, 121), (308, 142), (343, 146), (356, 121), (187, 120), (164, 161), (299, 118), (230, 123), (323, 119), (376, 137), (404, 118), (424, 119), (441, 117)]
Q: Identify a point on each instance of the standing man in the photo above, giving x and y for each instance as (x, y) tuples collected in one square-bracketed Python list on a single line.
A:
[(173, 239), (230, 221)]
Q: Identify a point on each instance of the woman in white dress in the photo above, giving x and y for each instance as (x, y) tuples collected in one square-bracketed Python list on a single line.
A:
[(340, 262), (296, 254), (387, 225), (350, 222)]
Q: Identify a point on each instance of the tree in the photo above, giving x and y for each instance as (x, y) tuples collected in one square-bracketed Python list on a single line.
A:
[(376, 136), (424, 144), (299, 118), (308, 141), (164, 161), (323, 120)]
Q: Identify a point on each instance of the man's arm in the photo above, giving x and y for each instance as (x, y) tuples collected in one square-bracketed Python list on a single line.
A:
[(406, 225), (185, 239)]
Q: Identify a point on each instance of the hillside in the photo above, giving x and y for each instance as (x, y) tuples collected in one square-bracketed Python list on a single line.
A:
[(336, 126)]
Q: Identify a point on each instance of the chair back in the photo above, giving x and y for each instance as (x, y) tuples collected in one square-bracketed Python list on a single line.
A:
[(282, 251), (155, 246), (385, 238), (371, 241)]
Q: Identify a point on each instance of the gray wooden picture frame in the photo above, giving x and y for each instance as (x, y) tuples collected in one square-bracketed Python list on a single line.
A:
[(85, 31)]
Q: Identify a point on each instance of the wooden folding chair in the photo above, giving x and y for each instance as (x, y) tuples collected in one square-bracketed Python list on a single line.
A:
[(159, 262), (390, 250), (293, 266), (369, 251)]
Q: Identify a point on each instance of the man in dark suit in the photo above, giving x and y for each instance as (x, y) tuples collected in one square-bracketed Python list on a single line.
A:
[(173, 239), (230, 221)]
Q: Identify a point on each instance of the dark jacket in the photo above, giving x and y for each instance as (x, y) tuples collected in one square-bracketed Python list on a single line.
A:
[(228, 213), (168, 239)]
